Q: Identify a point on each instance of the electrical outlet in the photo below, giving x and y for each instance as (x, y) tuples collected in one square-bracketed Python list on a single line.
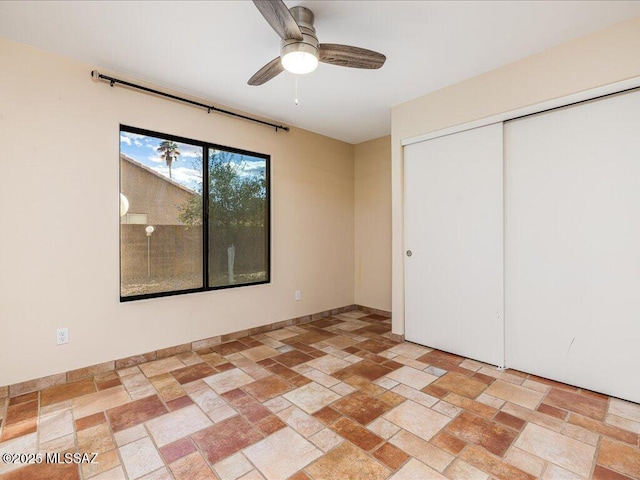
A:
[(298, 295), (62, 336)]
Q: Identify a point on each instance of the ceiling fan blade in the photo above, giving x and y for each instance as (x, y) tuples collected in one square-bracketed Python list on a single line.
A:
[(266, 73), (347, 56), (276, 13)]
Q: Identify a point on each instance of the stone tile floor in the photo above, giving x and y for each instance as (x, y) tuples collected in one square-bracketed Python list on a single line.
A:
[(330, 399)]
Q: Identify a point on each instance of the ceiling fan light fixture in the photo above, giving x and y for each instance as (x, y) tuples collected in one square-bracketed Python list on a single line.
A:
[(300, 50), (299, 58)]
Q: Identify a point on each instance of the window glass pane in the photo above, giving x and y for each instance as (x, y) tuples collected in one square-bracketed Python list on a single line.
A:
[(238, 219), (160, 215)]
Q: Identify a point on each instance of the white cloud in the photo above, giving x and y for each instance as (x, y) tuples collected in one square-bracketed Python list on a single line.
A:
[(137, 143), (250, 168), (125, 139), (188, 177), (134, 135), (156, 159), (252, 165), (164, 171), (190, 152)]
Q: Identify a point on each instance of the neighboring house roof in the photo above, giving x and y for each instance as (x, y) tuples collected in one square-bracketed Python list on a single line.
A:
[(153, 172)]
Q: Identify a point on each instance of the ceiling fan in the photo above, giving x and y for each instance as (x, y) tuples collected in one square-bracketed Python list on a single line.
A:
[(300, 51)]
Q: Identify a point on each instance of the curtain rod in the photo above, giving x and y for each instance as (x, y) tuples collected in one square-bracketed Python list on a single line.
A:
[(97, 76)]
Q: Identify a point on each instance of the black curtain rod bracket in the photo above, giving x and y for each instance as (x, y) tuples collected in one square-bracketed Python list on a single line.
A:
[(97, 76)]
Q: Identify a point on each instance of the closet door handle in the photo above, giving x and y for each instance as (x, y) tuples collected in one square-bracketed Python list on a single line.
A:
[(409, 253)]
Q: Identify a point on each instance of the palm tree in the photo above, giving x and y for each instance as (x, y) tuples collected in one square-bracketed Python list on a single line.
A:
[(169, 151)]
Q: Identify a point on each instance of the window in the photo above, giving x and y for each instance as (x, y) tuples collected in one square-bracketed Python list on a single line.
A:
[(187, 225)]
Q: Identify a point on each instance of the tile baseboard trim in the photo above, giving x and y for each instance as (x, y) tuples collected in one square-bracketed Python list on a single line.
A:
[(396, 337), (100, 368), (373, 311)]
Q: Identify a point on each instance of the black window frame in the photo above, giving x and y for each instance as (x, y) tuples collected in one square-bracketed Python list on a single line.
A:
[(206, 146)]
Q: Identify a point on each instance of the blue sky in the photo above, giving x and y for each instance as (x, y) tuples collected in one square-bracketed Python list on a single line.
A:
[(186, 169)]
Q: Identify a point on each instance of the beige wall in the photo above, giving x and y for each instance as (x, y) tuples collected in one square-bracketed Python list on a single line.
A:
[(60, 137), (372, 169), (606, 56)]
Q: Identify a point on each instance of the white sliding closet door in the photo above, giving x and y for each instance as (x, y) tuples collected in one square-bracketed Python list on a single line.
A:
[(454, 229), (573, 244)]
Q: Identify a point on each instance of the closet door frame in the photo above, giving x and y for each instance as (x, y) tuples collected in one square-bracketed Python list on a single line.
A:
[(585, 96)]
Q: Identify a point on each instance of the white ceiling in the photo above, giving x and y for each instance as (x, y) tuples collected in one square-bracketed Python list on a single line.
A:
[(211, 48)]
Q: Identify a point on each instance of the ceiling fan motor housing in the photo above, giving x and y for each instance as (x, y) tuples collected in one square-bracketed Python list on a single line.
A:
[(309, 43)]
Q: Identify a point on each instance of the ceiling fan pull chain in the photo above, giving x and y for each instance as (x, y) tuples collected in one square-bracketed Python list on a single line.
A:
[(296, 99)]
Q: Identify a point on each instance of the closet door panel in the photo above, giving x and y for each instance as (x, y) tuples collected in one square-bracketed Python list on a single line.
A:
[(454, 230), (572, 243)]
